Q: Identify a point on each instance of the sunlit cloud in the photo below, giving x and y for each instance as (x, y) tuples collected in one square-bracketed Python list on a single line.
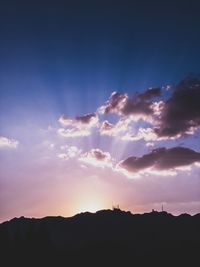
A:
[(169, 118), (157, 108), (8, 143), (69, 152), (159, 114), (115, 104), (97, 157), (161, 161), (87, 120), (138, 106), (149, 144), (79, 126), (139, 174), (74, 132), (110, 129), (146, 134)]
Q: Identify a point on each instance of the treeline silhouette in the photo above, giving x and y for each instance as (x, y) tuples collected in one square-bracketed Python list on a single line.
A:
[(104, 238)]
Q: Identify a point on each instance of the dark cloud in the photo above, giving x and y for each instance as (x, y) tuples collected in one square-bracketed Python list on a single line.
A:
[(86, 118), (177, 116), (170, 118), (99, 155), (141, 103), (181, 112), (162, 159)]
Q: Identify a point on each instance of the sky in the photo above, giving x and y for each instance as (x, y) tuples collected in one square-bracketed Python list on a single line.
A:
[(99, 104)]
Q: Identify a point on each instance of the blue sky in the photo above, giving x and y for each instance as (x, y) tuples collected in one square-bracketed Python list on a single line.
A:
[(87, 50)]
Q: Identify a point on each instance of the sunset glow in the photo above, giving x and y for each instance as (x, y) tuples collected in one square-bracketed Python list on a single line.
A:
[(91, 206)]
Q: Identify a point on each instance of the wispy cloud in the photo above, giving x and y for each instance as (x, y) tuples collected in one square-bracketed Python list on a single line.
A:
[(69, 152), (75, 132), (8, 143)]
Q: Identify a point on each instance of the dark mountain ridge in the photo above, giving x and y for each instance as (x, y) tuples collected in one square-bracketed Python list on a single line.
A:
[(107, 237)]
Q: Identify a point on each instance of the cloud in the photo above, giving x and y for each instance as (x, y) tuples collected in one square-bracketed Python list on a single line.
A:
[(161, 159), (115, 104), (181, 112), (139, 106), (150, 144), (63, 156), (110, 129), (97, 157), (8, 143), (170, 118), (147, 134), (80, 121), (79, 126), (69, 152), (177, 114), (74, 132)]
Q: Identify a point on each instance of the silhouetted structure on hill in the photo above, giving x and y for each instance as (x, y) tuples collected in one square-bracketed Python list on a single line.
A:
[(116, 208), (106, 238)]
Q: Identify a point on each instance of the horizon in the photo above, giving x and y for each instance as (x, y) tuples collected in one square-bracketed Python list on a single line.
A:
[(113, 209), (98, 211), (99, 104)]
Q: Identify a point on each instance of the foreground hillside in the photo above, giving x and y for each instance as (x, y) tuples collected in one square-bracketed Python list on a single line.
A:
[(106, 238)]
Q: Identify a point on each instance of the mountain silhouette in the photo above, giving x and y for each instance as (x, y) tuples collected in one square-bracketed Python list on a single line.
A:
[(104, 238)]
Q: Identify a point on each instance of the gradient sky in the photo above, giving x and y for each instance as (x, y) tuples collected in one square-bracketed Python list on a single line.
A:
[(67, 142)]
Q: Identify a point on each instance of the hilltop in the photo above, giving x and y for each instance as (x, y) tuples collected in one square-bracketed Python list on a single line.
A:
[(107, 237)]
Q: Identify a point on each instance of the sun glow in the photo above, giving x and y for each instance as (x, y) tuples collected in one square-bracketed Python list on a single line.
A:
[(91, 205)]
